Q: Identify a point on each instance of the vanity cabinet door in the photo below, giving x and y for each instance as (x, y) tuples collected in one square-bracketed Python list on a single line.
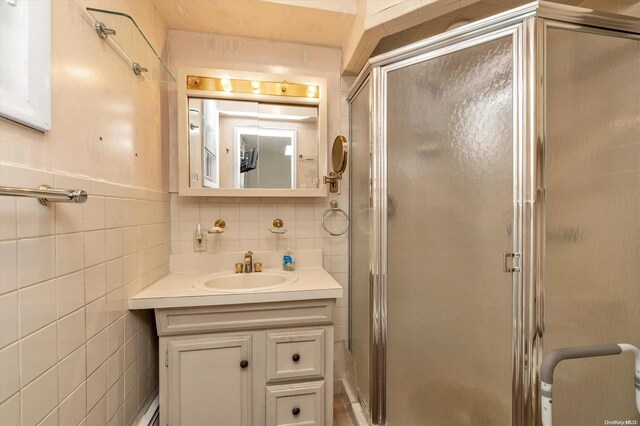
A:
[(209, 380)]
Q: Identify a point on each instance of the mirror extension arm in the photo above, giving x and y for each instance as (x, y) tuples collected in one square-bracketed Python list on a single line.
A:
[(552, 359), (339, 157)]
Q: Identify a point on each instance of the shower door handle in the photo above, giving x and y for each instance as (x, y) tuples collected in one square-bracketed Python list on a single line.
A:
[(510, 266)]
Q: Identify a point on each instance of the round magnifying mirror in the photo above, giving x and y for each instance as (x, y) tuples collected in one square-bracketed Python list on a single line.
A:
[(339, 155)]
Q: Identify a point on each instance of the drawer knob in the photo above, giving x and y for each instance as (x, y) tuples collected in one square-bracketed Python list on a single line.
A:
[(295, 411), (244, 363), (295, 357)]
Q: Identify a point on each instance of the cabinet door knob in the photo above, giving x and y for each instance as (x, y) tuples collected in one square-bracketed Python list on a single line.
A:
[(244, 363), (295, 411), (295, 357)]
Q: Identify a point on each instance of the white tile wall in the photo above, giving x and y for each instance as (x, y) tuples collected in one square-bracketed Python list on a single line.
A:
[(247, 223), (70, 351)]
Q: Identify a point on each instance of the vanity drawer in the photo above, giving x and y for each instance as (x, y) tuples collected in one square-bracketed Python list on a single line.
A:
[(177, 321), (295, 354), (296, 404)]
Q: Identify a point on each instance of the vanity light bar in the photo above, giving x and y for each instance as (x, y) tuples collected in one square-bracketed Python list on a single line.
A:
[(233, 85)]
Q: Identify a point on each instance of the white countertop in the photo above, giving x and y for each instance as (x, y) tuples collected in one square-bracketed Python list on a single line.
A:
[(176, 290)]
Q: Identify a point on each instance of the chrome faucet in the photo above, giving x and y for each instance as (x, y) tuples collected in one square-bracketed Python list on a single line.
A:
[(248, 262)]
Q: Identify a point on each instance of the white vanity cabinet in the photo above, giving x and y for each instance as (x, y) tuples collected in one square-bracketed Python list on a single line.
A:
[(251, 364), (208, 380)]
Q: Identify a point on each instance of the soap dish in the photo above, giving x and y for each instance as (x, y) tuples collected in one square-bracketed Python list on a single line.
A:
[(218, 227), (277, 227)]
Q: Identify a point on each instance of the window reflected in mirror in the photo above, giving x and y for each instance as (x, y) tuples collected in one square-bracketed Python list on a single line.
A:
[(245, 144)]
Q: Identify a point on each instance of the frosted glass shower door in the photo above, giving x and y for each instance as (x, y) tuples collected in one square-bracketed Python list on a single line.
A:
[(450, 181), (592, 211), (360, 252)]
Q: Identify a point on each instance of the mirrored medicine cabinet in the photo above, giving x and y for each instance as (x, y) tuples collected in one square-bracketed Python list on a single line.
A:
[(251, 134)]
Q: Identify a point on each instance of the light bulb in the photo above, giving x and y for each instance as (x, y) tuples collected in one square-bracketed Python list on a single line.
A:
[(226, 84)]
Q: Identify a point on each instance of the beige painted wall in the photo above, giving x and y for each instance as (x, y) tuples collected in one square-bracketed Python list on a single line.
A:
[(95, 95), (624, 7), (342, 6), (70, 351)]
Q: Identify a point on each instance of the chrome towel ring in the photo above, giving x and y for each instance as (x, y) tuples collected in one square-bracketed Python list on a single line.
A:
[(334, 208)]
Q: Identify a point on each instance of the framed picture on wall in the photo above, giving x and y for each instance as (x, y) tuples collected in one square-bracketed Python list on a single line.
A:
[(25, 62)]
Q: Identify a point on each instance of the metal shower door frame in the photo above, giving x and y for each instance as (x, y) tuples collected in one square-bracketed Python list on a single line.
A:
[(360, 91), (535, 81), (379, 195), (527, 25)]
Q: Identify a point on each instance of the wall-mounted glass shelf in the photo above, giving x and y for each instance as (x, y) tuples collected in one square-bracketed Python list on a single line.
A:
[(123, 34)]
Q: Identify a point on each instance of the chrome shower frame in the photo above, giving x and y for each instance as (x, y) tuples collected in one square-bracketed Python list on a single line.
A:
[(352, 94), (526, 25)]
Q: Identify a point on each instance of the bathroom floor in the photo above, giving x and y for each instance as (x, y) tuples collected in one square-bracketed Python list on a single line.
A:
[(341, 416)]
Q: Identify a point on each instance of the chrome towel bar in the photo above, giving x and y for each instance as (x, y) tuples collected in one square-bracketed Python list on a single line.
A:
[(45, 194)]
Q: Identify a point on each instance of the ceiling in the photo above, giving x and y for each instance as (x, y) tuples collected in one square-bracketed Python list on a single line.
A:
[(472, 12), (298, 21)]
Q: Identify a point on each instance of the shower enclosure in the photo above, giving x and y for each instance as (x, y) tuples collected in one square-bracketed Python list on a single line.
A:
[(495, 203)]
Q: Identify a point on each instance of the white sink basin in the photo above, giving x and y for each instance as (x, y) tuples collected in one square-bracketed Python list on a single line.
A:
[(227, 282)]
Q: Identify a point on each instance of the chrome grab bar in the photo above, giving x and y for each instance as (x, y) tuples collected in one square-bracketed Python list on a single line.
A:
[(45, 194)]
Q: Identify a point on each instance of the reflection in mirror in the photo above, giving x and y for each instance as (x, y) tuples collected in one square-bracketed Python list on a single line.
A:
[(244, 144), (203, 142), (277, 165)]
